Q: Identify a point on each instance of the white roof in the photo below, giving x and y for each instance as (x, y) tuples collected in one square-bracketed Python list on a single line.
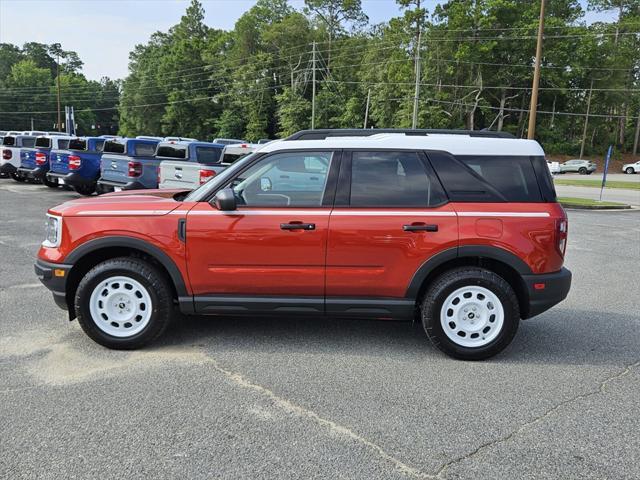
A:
[(454, 144)]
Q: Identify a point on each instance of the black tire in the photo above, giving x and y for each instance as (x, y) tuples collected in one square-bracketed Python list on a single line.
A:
[(48, 183), (457, 278), (630, 171), (17, 177), (150, 278), (582, 171), (589, 172), (85, 189)]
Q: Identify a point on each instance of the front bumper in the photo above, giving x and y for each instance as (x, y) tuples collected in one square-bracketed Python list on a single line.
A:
[(33, 173), (54, 277), (546, 290), (73, 179), (108, 186)]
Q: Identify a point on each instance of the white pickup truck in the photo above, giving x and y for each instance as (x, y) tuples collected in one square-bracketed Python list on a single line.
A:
[(12, 151), (190, 164)]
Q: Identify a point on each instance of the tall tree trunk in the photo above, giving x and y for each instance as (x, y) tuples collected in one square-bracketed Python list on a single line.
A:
[(503, 99), (637, 137)]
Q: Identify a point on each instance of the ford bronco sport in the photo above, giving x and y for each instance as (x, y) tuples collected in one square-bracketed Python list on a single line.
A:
[(459, 230)]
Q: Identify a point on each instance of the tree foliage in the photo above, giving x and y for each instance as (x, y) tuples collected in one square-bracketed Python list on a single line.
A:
[(475, 57)]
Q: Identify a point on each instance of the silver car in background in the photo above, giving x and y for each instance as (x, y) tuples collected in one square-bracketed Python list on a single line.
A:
[(583, 167)]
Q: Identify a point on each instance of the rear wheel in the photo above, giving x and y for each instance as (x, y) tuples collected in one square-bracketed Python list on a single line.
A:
[(124, 303), (85, 189), (470, 313), (630, 170), (582, 171)]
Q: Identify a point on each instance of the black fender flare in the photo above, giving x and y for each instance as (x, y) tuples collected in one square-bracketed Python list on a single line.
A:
[(466, 251), (135, 243)]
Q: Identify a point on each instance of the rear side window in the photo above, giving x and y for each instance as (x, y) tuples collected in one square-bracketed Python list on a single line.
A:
[(208, 155), (63, 144), (43, 142), (28, 142), (392, 179), (230, 157), (99, 145), (144, 150), (171, 151), (474, 178), (114, 147), (513, 177), (77, 144)]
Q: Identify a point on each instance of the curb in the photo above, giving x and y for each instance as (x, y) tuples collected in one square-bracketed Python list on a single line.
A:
[(595, 207)]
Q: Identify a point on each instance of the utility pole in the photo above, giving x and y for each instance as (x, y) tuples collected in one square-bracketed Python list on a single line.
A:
[(586, 120), (313, 90), (32, 129), (637, 137), (58, 78), (366, 110), (533, 108), (416, 94)]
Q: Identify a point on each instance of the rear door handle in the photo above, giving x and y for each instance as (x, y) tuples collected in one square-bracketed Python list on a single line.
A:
[(297, 226), (420, 228)]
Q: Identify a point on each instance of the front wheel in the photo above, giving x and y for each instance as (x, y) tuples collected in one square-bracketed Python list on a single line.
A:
[(85, 189), (630, 171), (470, 313), (124, 303)]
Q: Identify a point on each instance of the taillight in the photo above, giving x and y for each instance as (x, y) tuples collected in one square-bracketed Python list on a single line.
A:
[(41, 158), (562, 227), (135, 169), (74, 162), (6, 154), (206, 175)]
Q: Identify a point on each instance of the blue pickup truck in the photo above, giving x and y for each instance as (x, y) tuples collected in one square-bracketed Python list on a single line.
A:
[(128, 164), (77, 166), (35, 162)]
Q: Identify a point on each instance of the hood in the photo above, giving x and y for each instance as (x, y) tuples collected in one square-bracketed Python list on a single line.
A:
[(122, 204)]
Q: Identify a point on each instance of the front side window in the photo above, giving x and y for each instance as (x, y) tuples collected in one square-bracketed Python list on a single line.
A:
[(392, 179), (296, 179)]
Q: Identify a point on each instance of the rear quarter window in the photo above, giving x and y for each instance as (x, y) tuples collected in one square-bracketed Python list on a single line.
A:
[(28, 142), (478, 178), (208, 155)]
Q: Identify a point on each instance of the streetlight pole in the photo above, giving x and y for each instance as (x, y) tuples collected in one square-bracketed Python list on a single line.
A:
[(58, 81), (533, 108)]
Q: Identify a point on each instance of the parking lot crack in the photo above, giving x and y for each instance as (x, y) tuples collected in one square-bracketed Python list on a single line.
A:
[(332, 426), (600, 389)]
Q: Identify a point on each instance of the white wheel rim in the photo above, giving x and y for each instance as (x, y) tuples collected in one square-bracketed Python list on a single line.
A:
[(472, 316), (120, 306)]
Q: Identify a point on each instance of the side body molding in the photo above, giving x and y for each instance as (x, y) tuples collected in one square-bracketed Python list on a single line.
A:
[(466, 251), (138, 244)]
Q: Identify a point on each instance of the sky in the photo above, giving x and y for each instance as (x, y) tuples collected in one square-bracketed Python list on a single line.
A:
[(103, 32)]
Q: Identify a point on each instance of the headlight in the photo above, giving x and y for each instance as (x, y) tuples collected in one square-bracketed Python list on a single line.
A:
[(52, 231)]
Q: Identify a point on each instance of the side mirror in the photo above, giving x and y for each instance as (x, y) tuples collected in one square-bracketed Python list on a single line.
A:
[(225, 200), (265, 184)]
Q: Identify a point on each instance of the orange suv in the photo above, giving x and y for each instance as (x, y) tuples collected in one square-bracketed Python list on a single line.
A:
[(459, 230)]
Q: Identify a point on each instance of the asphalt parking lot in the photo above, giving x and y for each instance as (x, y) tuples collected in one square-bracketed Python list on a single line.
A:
[(296, 398)]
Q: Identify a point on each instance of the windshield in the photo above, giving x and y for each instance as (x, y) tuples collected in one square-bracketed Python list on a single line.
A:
[(220, 179)]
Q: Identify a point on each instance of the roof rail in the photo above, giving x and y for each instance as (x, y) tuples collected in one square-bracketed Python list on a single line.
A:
[(323, 133)]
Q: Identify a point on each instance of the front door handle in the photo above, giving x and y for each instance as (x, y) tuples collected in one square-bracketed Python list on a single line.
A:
[(297, 226), (421, 227)]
